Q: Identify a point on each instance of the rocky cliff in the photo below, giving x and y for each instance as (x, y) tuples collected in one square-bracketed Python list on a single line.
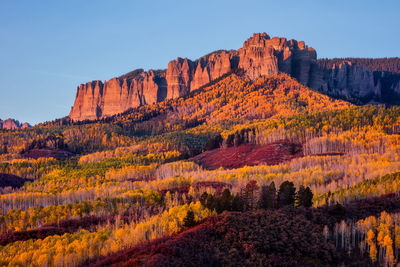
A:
[(363, 79), (11, 124), (350, 81), (260, 55)]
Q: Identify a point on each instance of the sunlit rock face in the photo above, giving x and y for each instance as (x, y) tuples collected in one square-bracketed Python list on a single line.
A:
[(11, 124), (184, 75), (260, 55), (96, 99)]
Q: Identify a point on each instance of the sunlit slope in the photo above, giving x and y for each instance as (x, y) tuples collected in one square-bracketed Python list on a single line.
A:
[(236, 97)]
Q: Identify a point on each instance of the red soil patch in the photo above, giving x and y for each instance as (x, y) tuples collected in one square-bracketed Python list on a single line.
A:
[(248, 155), (47, 153)]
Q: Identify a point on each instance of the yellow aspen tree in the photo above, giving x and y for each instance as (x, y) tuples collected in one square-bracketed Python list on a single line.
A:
[(388, 243), (372, 247), (380, 238)]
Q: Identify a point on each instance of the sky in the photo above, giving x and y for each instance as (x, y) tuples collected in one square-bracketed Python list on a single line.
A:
[(48, 48)]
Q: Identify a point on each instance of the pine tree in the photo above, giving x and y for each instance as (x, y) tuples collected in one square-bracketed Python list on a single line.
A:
[(286, 194), (248, 194), (237, 203), (203, 199), (225, 201), (189, 220), (268, 196), (210, 202), (304, 197)]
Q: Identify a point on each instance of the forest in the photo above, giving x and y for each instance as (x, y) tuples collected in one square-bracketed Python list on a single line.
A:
[(298, 178), (375, 64)]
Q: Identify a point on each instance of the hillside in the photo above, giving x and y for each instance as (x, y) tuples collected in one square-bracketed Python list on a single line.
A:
[(132, 180), (265, 238), (244, 170), (248, 155), (236, 97), (283, 237)]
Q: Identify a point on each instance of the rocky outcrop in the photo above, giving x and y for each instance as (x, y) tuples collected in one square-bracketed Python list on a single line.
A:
[(25, 125), (260, 55), (11, 124), (97, 99), (349, 81), (184, 75)]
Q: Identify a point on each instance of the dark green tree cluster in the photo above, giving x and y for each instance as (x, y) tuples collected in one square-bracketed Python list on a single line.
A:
[(286, 196), (268, 197), (214, 142), (249, 194), (226, 201), (251, 198), (239, 137), (189, 219), (304, 197)]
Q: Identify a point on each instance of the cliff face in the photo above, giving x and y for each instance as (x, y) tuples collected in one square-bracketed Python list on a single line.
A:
[(260, 55), (97, 99), (351, 81), (184, 75)]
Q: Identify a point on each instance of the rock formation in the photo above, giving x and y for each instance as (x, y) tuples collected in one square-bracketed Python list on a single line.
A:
[(351, 81), (184, 75), (11, 124), (260, 55)]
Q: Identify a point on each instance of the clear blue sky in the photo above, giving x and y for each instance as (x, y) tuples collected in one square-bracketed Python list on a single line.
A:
[(47, 48)]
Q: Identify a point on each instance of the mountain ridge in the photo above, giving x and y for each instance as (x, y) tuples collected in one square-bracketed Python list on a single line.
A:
[(260, 55)]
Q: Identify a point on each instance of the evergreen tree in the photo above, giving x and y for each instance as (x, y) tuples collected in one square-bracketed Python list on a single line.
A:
[(304, 197), (225, 201), (286, 194), (210, 202), (189, 221), (203, 199), (268, 196), (237, 203), (214, 142), (248, 194)]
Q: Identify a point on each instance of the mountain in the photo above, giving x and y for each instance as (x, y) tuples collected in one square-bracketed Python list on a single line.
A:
[(260, 55), (11, 124), (350, 79), (236, 96), (223, 175), (364, 79)]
